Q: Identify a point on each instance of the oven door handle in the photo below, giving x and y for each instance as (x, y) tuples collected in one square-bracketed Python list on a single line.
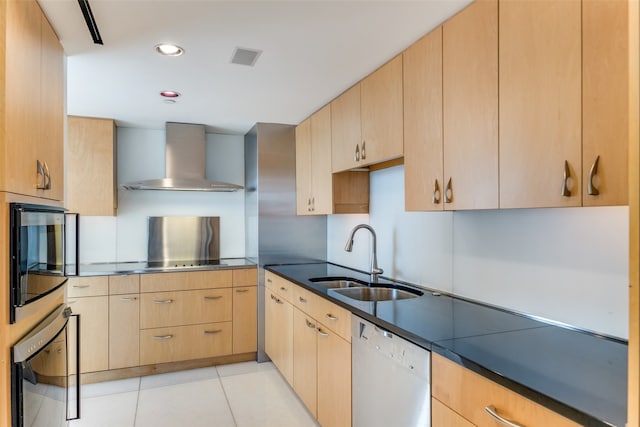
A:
[(73, 375)]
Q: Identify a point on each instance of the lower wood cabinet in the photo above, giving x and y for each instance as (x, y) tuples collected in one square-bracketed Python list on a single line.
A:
[(334, 379), (124, 331), (442, 415), (305, 360), (94, 332), (245, 319), (278, 341)]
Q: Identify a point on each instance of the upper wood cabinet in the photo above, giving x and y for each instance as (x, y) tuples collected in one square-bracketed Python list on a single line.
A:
[(33, 85), (605, 102), (540, 104), (345, 129), (91, 166)]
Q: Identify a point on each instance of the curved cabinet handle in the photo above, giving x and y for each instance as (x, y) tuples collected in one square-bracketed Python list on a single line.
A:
[(302, 300), (448, 192), (310, 325), (591, 188), (322, 334), (363, 155), (213, 332), (128, 298), (162, 301), (435, 199), (493, 412), (309, 204), (47, 177), (40, 172), (276, 299), (162, 337), (331, 317), (565, 178), (213, 297), (282, 288), (356, 154), (241, 291), (80, 286)]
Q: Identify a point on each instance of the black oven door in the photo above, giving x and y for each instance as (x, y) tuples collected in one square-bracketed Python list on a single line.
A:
[(37, 255), (45, 382)]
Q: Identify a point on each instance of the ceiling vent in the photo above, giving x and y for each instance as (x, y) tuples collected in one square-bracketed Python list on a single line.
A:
[(242, 56)]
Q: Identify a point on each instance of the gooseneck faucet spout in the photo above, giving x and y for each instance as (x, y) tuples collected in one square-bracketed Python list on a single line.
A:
[(375, 270)]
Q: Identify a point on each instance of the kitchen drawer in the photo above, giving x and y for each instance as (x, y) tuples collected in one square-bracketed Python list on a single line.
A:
[(181, 281), (161, 309), (468, 394), (443, 416), (305, 300), (280, 286), (245, 277), (332, 316), (124, 284), (88, 286), (161, 345)]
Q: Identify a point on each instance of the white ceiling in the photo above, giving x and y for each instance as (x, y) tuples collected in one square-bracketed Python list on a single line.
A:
[(312, 51)]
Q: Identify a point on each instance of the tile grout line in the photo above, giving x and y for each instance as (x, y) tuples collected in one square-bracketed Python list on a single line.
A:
[(233, 416), (135, 413)]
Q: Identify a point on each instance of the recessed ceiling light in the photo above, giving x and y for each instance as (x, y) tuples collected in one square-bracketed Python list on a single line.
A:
[(169, 94), (169, 49)]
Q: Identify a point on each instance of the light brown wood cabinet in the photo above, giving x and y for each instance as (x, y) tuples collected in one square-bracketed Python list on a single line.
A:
[(540, 104), (334, 379), (278, 340), (33, 85), (91, 166), (245, 319), (468, 394), (305, 360), (124, 321), (346, 133), (94, 331)]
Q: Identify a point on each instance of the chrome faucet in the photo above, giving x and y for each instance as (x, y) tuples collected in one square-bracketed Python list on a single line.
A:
[(375, 270)]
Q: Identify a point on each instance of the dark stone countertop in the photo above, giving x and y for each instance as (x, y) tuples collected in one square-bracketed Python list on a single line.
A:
[(580, 375), (141, 267)]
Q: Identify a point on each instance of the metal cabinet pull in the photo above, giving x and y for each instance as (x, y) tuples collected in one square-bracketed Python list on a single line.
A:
[(276, 299), (302, 300), (435, 199), (591, 188), (356, 155), (162, 337), (309, 204), (40, 172), (565, 178), (241, 291), (213, 332), (47, 177), (313, 204), (128, 298), (80, 286), (310, 325), (491, 410), (448, 192), (322, 334), (268, 280), (282, 288), (331, 317), (162, 301), (363, 154), (212, 297)]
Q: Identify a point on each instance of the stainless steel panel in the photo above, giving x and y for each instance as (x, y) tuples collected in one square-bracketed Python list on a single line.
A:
[(185, 151), (183, 238)]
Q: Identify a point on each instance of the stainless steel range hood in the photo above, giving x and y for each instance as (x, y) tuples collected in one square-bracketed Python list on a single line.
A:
[(185, 159)]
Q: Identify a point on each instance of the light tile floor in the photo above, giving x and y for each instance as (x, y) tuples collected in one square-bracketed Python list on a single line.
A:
[(240, 395)]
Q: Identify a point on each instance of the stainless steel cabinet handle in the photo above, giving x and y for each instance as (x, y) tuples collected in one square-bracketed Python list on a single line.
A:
[(448, 192), (591, 188), (435, 199), (276, 299), (212, 297), (268, 280), (302, 300), (282, 288), (322, 334), (162, 301), (356, 155), (491, 410), (331, 317), (363, 154), (313, 204), (47, 177), (309, 204), (40, 172), (213, 332), (565, 177), (128, 298), (162, 337), (310, 325), (80, 286), (241, 291)]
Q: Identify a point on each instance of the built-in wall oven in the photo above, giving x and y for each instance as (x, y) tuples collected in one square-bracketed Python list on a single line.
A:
[(37, 256), (45, 382)]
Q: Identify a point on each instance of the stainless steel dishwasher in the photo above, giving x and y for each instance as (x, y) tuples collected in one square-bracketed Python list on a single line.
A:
[(390, 378)]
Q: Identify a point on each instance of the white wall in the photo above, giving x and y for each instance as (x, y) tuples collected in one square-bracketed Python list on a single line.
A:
[(141, 156), (567, 265)]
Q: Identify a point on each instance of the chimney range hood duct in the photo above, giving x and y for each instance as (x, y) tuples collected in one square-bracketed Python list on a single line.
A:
[(185, 163)]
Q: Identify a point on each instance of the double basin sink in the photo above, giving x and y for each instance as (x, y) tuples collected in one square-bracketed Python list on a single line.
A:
[(362, 291)]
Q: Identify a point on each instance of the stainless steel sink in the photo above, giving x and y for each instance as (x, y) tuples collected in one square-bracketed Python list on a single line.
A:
[(376, 293), (338, 282)]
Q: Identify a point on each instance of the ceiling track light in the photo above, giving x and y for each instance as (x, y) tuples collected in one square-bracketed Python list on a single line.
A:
[(91, 21)]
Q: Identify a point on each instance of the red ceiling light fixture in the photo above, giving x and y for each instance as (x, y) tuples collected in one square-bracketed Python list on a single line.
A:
[(169, 94)]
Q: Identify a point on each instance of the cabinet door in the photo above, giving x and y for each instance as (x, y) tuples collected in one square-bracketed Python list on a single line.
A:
[(345, 129), (382, 134), (279, 334), (51, 139), (605, 90), (540, 103), (321, 178), (334, 379), (94, 332), (124, 331), (303, 168), (245, 319), (423, 161), (305, 359), (91, 172), (470, 107), (22, 88)]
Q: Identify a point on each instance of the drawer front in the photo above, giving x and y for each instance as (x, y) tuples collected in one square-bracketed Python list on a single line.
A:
[(332, 316), (161, 309), (161, 345), (443, 416), (305, 300), (182, 281), (468, 394), (280, 286), (124, 284), (245, 277), (87, 286)]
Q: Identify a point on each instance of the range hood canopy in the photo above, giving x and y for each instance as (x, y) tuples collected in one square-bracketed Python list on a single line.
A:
[(185, 163)]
